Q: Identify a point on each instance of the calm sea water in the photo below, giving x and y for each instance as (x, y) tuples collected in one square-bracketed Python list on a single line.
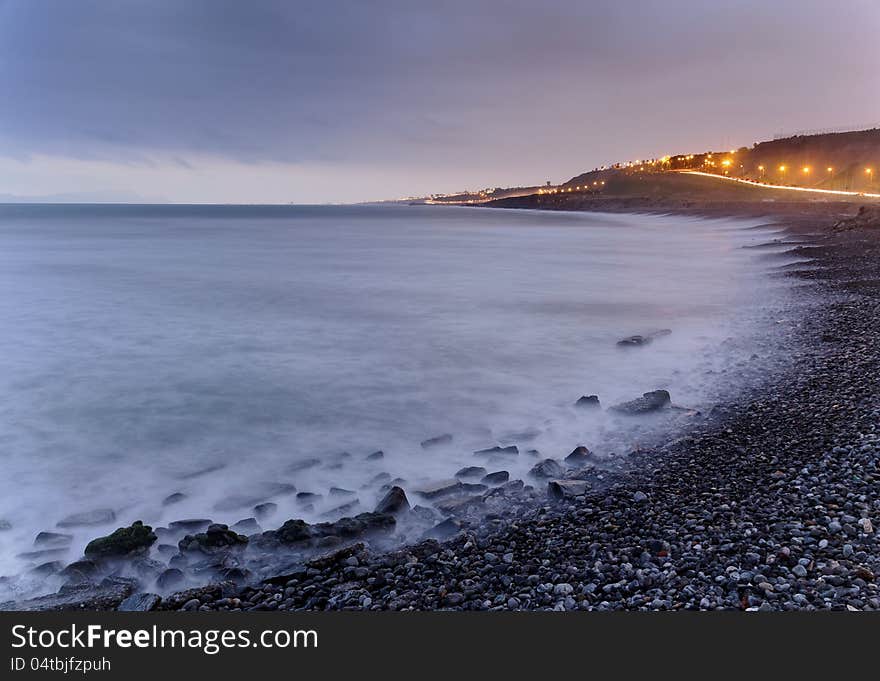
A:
[(140, 345)]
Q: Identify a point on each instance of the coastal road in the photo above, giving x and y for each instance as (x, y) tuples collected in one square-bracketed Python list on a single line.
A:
[(778, 186)]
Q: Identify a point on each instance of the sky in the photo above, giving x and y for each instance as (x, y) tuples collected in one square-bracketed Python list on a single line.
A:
[(217, 101)]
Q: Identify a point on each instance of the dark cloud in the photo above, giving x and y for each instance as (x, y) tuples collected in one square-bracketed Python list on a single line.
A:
[(527, 88)]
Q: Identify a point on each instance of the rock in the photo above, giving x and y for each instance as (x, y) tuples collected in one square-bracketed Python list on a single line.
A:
[(265, 510), (393, 502), (640, 497), (866, 526), (341, 492), (99, 516), (5, 525), (567, 489), (579, 456), (437, 441), (471, 472), (496, 478), (308, 497), (136, 538), (458, 505), (81, 597), (648, 402), (375, 456), (247, 526), (80, 571), (216, 538), (46, 569), (342, 509), (175, 498), (140, 602), (799, 571), (52, 540), (170, 579), (444, 530), (303, 465), (639, 341), (440, 489), (587, 402), (548, 468), (294, 531), (191, 605), (189, 525), (511, 450)]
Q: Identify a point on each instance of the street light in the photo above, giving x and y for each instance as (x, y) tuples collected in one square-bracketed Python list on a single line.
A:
[(761, 170), (870, 173), (782, 171)]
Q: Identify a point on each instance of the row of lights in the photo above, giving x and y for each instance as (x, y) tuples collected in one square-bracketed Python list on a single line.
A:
[(597, 183)]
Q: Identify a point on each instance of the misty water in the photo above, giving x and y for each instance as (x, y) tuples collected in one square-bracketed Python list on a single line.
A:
[(208, 350)]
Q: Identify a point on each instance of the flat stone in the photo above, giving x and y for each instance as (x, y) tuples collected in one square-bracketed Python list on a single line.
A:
[(437, 441), (140, 602)]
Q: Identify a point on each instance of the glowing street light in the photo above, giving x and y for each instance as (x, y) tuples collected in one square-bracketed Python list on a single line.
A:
[(870, 173), (782, 171), (761, 170)]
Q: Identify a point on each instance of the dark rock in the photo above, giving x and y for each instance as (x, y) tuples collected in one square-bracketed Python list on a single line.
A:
[(440, 489), (175, 498), (217, 538), (170, 579), (648, 402), (247, 526), (393, 502), (341, 492), (137, 538), (444, 530), (471, 472), (305, 464), (496, 478), (375, 456), (548, 468), (140, 602), (308, 497), (46, 569), (587, 402), (52, 540), (342, 509), (80, 571), (265, 510), (579, 456), (294, 531), (44, 554), (437, 441), (512, 450), (99, 516), (189, 525), (639, 341), (335, 557), (564, 489), (458, 505), (81, 597)]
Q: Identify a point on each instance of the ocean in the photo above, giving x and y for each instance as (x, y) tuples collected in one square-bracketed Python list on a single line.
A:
[(232, 353)]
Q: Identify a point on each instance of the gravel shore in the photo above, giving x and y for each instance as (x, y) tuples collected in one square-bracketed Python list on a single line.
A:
[(769, 505)]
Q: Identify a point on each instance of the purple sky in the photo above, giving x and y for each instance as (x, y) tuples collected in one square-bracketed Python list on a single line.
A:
[(344, 101)]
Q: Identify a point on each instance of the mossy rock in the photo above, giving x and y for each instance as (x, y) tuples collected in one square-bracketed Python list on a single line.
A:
[(124, 541)]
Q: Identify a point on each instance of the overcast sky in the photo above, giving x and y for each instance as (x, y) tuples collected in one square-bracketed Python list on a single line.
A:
[(264, 101)]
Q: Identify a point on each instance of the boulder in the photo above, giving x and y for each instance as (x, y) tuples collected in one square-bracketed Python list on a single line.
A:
[(140, 602), (375, 456), (265, 510), (639, 340), (444, 439), (100, 516), (294, 531), (394, 501), (189, 525), (135, 539), (170, 579), (566, 489), (496, 478), (458, 505), (217, 538), (471, 472), (548, 468), (579, 456), (648, 402), (444, 530), (511, 450), (587, 402), (308, 497), (341, 492), (247, 526), (440, 489), (175, 498), (52, 540)]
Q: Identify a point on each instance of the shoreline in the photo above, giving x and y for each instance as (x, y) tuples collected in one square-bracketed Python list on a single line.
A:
[(639, 542)]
